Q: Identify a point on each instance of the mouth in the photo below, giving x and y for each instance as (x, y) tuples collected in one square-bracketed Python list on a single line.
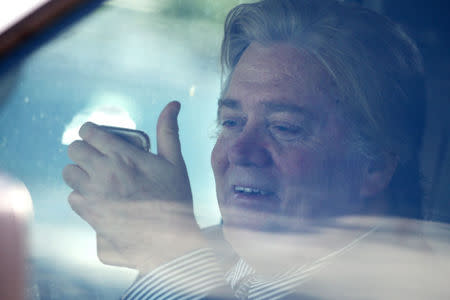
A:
[(250, 191), (250, 202)]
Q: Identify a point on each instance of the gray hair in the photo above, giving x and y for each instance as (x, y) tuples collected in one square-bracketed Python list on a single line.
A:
[(376, 67)]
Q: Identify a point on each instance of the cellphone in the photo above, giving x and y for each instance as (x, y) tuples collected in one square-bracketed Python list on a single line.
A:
[(137, 138)]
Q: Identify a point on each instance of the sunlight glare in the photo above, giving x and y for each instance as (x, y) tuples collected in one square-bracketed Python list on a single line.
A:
[(110, 109), (15, 198)]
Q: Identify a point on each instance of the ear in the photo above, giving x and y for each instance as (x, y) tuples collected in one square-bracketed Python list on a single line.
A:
[(378, 174)]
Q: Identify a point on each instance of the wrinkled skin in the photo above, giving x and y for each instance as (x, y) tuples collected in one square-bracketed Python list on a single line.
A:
[(281, 133), (139, 203)]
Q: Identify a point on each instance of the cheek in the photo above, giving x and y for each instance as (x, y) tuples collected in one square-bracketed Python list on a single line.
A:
[(219, 164), (309, 177), (301, 164), (219, 158), (315, 162)]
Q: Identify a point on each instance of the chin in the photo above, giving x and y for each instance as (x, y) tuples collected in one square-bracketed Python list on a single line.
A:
[(260, 222), (244, 221)]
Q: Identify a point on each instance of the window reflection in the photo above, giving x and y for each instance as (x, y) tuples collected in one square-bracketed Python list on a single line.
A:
[(122, 73)]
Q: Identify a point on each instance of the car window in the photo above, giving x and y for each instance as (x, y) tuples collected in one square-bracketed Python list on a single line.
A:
[(119, 66)]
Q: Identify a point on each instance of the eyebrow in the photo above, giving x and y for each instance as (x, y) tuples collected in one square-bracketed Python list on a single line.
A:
[(270, 106), (230, 103), (275, 106)]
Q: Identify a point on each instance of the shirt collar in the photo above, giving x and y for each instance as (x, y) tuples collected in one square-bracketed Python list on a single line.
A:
[(248, 285)]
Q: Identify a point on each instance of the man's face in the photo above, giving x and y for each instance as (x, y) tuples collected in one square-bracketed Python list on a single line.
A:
[(281, 157)]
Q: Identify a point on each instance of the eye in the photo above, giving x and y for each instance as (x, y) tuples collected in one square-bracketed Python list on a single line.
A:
[(286, 131), (231, 122), (228, 123)]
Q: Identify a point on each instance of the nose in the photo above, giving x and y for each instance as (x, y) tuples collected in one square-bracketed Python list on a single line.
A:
[(250, 148)]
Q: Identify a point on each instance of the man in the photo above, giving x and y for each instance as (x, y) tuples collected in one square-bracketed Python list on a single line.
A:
[(320, 125)]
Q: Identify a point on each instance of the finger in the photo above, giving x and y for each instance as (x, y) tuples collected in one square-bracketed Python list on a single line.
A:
[(83, 207), (105, 142), (75, 177), (84, 155), (167, 134), (77, 202)]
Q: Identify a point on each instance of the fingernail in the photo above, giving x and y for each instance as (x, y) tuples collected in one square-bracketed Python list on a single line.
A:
[(177, 105)]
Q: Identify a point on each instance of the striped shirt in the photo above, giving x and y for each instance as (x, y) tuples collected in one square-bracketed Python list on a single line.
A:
[(191, 276), (196, 274)]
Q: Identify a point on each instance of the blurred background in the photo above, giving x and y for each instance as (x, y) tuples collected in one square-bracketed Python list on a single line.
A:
[(119, 65), (428, 23)]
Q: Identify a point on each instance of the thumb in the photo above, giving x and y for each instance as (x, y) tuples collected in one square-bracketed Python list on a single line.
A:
[(167, 133)]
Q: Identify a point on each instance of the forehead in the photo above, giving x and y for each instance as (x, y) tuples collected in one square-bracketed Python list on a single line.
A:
[(279, 72)]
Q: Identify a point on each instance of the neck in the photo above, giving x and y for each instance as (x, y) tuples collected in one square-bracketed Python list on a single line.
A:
[(270, 253), (377, 205)]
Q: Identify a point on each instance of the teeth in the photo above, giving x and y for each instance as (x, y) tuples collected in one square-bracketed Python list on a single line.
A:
[(242, 189)]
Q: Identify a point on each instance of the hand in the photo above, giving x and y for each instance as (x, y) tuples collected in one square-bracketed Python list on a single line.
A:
[(139, 203)]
